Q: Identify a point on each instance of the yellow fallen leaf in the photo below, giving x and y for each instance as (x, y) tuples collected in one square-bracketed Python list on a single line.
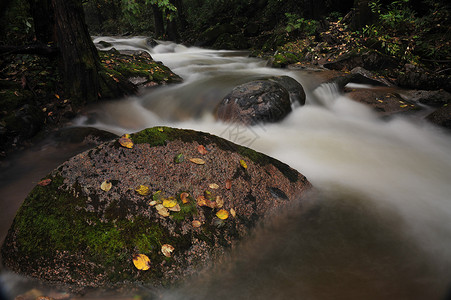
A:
[(243, 164), (126, 142), (167, 249), (163, 211), (222, 214), (142, 190), (197, 161), (141, 262), (170, 202), (233, 212), (153, 203), (106, 186), (160, 129), (196, 223), (184, 197), (213, 186)]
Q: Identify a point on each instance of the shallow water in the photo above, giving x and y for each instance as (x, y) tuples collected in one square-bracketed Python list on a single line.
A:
[(380, 226)]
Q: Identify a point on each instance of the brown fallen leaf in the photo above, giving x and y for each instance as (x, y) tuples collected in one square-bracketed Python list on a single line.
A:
[(201, 201), (213, 186), (197, 161), (233, 212), (184, 197), (219, 202), (45, 182), (196, 223), (167, 249), (228, 184), (202, 149), (175, 208), (163, 211), (141, 262)]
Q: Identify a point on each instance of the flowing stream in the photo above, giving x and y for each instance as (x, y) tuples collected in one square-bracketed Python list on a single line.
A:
[(379, 226)]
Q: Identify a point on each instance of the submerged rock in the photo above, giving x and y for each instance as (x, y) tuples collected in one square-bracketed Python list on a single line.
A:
[(261, 101), (87, 220)]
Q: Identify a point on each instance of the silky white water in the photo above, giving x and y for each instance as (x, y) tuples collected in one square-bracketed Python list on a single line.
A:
[(379, 226)]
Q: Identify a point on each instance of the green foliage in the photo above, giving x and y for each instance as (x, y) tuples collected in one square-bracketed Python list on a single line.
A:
[(400, 33), (295, 22), (16, 24)]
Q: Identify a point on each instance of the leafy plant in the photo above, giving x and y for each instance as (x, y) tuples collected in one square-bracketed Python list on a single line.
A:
[(295, 22)]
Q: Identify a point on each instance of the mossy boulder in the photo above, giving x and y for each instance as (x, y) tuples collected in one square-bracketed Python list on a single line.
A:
[(73, 230)]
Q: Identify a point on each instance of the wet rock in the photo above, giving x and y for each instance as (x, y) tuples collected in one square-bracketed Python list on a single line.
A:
[(363, 76), (414, 77), (294, 88), (384, 101), (258, 101), (370, 60), (77, 230), (430, 98), (441, 117)]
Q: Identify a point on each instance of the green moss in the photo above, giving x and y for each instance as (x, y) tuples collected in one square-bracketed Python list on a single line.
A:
[(159, 136), (187, 210), (47, 216)]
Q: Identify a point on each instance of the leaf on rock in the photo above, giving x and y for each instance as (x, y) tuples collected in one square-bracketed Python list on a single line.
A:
[(142, 190), (184, 197), (126, 142), (153, 203), (175, 208), (213, 186), (197, 161), (222, 214), (233, 212), (141, 262), (106, 186), (228, 184), (167, 249), (243, 164), (170, 202), (196, 223), (202, 149), (45, 182), (163, 211), (179, 158), (219, 202), (160, 129), (201, 201)]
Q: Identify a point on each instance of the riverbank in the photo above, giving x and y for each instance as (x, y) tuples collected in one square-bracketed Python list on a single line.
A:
[(33, 100)]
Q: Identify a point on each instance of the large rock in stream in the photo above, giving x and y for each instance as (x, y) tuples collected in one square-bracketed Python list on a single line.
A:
[(261, 101), (181, 190)]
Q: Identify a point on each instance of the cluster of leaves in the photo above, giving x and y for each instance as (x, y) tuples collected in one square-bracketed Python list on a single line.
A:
[(16, 25), (296, 23), (401, 33)]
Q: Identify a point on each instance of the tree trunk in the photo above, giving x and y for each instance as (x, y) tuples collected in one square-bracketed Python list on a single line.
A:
[(362, 14), (42, 14), (158, 21), (79, 60)]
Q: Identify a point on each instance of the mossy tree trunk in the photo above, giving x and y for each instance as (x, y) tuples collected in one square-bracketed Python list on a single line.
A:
[(79, 60)]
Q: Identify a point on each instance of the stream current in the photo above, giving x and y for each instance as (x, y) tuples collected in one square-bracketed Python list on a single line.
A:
[(379, 226)]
